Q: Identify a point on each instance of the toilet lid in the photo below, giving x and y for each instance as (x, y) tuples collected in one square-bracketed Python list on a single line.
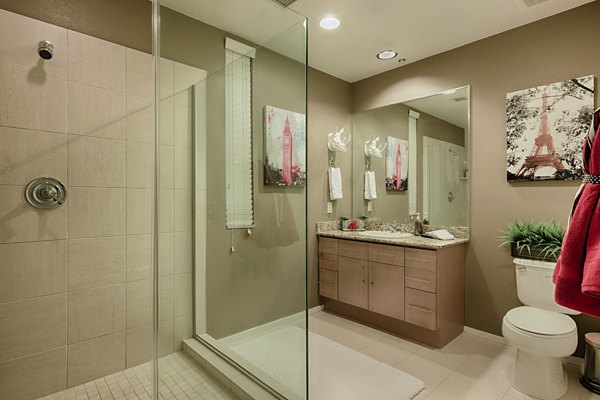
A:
[(541, 322)]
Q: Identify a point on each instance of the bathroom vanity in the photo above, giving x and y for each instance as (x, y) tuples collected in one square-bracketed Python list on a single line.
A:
[(413, 287)]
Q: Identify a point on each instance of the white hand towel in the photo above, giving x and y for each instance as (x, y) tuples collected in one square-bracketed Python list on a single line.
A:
[(370, 185), (335, 183)]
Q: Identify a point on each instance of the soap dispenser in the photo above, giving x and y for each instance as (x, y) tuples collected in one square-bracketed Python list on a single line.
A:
[(418, 225)]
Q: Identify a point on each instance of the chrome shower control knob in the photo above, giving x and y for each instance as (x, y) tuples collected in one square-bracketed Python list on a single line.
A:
[(46, 193)]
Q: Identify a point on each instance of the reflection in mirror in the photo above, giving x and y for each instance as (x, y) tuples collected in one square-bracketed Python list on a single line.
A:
[(424, 168)]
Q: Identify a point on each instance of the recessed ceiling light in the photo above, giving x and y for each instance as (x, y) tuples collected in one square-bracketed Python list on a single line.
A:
[(329, 23), (387, 55)]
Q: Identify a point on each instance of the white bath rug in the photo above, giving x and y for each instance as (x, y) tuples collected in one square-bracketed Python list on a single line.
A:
[(336, 371)]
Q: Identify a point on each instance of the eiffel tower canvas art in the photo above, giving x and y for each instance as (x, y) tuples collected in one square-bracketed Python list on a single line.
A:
[(545, 128)]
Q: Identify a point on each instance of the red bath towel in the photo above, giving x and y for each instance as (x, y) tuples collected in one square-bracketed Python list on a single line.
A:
[(577, 272)]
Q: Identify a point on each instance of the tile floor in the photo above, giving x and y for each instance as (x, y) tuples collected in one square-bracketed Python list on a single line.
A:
[(181, 378), (469, 368)]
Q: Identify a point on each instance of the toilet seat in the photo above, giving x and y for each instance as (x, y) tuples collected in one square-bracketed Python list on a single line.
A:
[(539, 322)]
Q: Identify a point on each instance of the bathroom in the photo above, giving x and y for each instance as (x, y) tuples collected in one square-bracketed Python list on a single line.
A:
[(178, 266)]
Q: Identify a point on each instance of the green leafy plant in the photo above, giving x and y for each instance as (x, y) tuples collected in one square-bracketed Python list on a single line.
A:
[(364, 217), (344, 218), (535, 238)]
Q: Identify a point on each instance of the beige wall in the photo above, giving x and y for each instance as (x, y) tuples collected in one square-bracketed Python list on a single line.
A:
[(550, 50), (75, 282), (328, 107)]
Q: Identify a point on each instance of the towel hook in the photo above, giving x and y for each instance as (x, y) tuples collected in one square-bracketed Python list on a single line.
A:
[(372, 150), (335, 142)]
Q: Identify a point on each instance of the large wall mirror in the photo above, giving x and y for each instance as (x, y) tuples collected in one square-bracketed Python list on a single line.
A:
[(413, 157)]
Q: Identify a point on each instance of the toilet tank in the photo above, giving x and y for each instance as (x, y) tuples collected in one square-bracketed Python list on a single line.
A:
[(535, 287)]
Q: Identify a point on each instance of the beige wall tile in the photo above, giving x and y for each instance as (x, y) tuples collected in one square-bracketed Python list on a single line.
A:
[(140, 119), (165, 210), (166, 166), (97, 212), (17, 218), (96, 312), (185, 76), (20, 37), (26, 155), (183, 328), (139, 345), (165, 337), (139, 257), (165, 254), (165, 297), (139, 303), (28, 102), (183, 167), (183, 252), (182, 125), (96, 62), (139, 211), (97, 162), (140, 73), (96, 262), (22, 275), (96, 358), (183, 210), (165, 70), (34, 376), (32, 326), (140, 165), (182, 294), (166, 122), (97, 112)]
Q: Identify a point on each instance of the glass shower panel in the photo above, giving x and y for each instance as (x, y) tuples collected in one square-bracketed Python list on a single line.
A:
[(232, 243)]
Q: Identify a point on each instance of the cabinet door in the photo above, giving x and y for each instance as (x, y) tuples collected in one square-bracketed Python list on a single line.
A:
[(352, 281), (386, 292)]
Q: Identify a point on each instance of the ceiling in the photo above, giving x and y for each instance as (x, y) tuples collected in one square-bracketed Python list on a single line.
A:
[(415, 29)]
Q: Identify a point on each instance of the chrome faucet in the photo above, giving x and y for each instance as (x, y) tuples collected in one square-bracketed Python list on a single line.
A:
[(389, 228)]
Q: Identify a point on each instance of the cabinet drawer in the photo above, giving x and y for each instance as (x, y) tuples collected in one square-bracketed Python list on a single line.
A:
[(420, 308), (382, 253), (420, 259), (328, 289), (353, 249), (328, 245), (420, 279), (328, 261), (327, 276)]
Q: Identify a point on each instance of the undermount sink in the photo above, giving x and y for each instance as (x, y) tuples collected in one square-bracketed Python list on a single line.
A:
[(385, 235)]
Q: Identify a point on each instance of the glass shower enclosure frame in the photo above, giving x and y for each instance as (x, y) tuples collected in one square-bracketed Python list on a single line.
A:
[(238, 290)]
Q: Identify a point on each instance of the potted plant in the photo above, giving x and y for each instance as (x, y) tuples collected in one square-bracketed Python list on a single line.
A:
[(536, 240), (352, 224)]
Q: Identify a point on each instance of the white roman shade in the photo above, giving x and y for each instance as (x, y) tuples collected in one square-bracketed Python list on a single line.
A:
[(238, 127), (413, 117)]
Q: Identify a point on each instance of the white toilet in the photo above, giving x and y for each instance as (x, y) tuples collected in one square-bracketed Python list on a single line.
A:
[(541, 332)]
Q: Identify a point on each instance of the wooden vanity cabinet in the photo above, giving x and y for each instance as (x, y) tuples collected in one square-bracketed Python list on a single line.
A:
[(414, 292)]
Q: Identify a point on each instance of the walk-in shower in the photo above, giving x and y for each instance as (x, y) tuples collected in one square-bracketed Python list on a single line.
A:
[(136, 222)]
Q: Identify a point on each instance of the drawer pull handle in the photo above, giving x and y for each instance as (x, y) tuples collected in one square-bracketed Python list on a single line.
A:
[(419, 260), (422, 309), (419, 280)]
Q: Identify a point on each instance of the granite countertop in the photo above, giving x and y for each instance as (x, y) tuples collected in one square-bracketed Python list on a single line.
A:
[(412, 241)]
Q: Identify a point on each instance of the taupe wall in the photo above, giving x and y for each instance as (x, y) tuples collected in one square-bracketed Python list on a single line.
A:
[(551, 50), (124, 22), (329, 101), (392, 120)]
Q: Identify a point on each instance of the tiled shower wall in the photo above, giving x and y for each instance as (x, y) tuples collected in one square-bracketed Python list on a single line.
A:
[(75, 282)]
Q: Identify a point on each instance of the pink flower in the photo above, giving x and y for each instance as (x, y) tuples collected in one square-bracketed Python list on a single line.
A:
[(353, 225)]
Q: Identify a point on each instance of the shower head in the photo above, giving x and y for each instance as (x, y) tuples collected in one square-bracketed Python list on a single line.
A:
[(45, 49)]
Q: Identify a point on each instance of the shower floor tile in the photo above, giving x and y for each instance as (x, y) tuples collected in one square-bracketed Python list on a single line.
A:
[(180, 378)]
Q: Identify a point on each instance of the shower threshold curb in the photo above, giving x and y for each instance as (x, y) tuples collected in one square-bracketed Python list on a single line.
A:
[(233, 379)]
